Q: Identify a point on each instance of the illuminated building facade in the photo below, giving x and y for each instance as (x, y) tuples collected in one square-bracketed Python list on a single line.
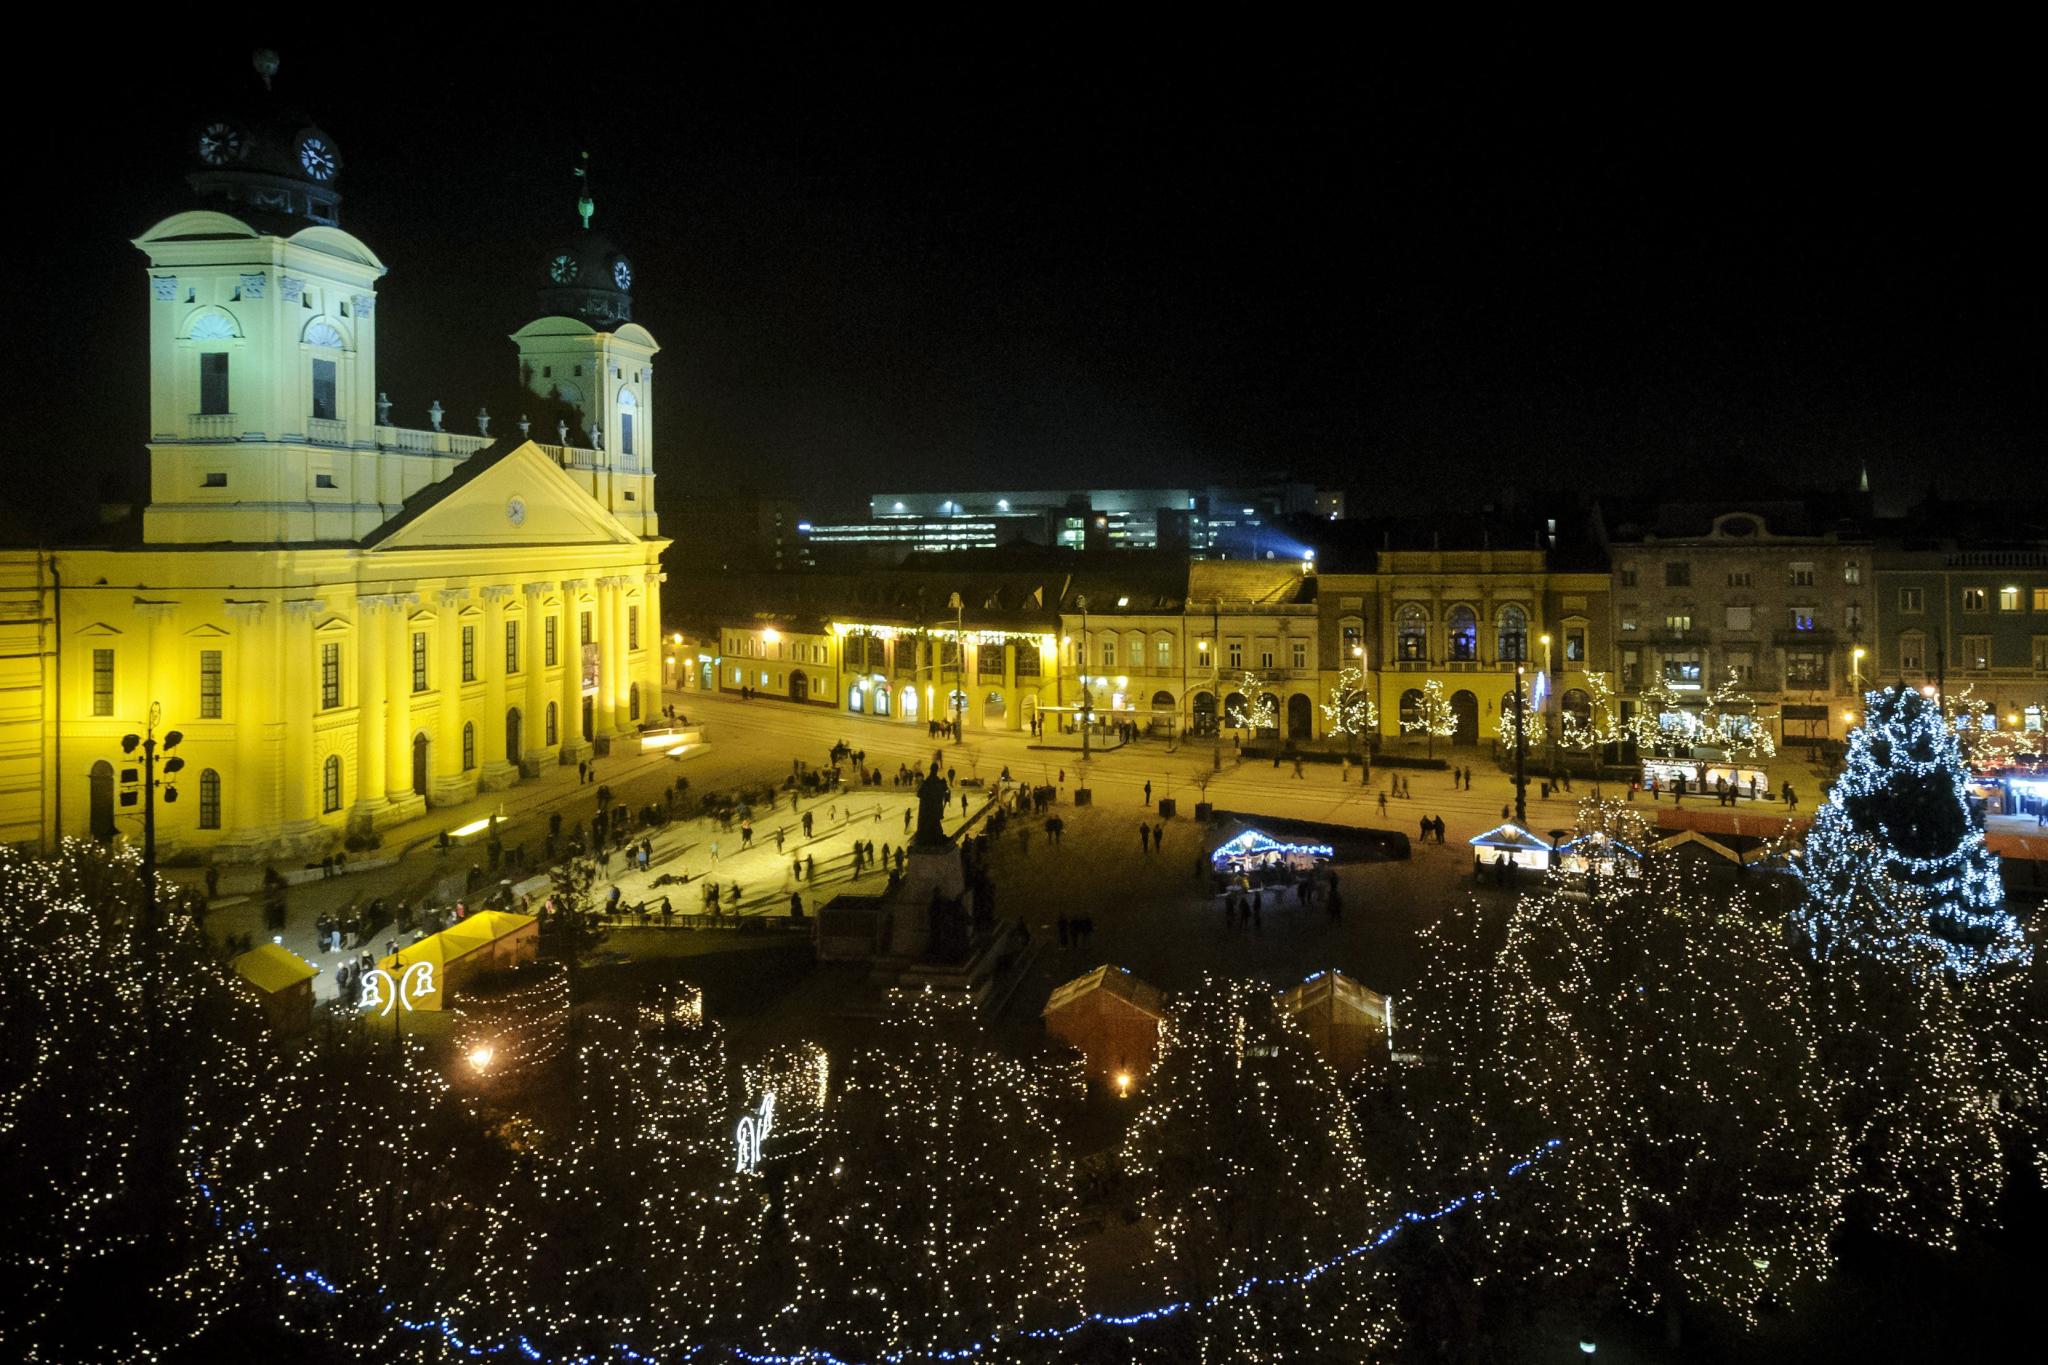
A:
[(346, 620)]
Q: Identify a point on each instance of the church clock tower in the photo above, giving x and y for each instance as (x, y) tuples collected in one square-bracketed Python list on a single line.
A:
[(263, 342), (586, 351)]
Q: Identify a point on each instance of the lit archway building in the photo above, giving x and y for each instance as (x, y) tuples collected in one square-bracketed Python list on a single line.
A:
[(348, 619)]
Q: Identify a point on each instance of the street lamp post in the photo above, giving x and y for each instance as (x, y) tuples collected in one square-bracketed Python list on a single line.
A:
[(1087, 694), (1521, 751), (151, 747), (1216, 680), (959, 666)]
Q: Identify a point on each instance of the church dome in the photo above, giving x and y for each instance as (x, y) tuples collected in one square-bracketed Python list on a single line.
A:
[(272, 160), (585, 275)]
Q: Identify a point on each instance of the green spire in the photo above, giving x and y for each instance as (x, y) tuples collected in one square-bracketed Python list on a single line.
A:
[(585, 205)]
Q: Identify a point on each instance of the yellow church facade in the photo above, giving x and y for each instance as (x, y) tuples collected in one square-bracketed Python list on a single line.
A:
[(345, 620)]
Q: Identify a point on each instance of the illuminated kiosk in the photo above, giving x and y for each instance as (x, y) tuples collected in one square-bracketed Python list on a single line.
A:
[(283, 981), (1509, 843), (1351, 1025), (1113, 1018), (1255, 858)]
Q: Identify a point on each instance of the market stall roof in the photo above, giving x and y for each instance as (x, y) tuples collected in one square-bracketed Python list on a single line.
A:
[(1253, 842), (1693, 836), (1115, 981), (1510, 836), (270, 968), (1330, 992), (479, 928)]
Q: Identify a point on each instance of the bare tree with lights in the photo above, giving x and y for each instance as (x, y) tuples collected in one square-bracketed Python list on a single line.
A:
[(1434, 716)]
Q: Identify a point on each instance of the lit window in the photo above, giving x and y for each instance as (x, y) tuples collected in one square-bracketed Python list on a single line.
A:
[(103, 682), (330, 676), (209, 684), (2008, 599)]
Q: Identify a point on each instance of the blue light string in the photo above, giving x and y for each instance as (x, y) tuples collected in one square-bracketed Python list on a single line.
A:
[(808, 1356)]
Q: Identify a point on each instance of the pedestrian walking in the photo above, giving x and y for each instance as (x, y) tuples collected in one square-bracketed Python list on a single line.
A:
[(1383, 803), (1148, 791), (1158, 837), (1144, 836)]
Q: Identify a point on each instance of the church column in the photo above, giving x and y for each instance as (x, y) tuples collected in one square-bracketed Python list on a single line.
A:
[(249, 704), (398, 702), (1013, 710), (656, 645), (451, 782), (574, 747), (501, 768), (622, 692), (606, 720), (298, 668), (371, 676), (533, 726)]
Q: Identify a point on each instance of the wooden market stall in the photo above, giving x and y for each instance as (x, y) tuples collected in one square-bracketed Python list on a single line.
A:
[(484, 942), (1349, 1024), (1113, 1018), (283, 981)]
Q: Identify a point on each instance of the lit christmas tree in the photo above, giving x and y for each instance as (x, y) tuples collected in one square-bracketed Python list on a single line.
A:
[(933, 1212), (1244, 1163), (1662, 1033), (1895, 865), (1350, 711)]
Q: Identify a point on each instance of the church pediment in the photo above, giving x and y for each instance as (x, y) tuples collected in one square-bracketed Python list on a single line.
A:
[(516, 497)]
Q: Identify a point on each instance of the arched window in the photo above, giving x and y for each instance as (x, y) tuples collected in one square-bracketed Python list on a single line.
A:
[(209, 799), (1411, 627), (468, 745), (330, 784), (1577, 704), (553, 722), (1514, 633), (1411, 708), (1352, 631), (627, 404), (1463, 630)]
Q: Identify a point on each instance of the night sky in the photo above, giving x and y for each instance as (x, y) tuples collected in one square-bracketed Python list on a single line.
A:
[(969, 259)]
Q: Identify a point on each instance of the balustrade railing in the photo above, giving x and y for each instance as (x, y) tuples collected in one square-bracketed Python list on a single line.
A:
[(213, 426)]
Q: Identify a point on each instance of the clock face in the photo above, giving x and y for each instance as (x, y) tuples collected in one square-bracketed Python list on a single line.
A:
[(515, 511), (317, 157), (220, 143), (623, 273), (562, 269)]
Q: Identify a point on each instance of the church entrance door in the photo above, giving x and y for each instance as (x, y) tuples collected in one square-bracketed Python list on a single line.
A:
[(589, 718), (419, 764), (512, 749)]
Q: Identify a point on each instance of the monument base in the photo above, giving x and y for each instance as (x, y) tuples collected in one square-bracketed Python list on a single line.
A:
[(927, 872)]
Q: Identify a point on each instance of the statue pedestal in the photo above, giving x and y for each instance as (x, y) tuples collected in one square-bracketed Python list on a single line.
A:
[(925, 872)]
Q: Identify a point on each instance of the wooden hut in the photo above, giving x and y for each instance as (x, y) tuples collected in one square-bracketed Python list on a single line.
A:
[(1113, 1018), (283, 981), (1347, 1022)]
